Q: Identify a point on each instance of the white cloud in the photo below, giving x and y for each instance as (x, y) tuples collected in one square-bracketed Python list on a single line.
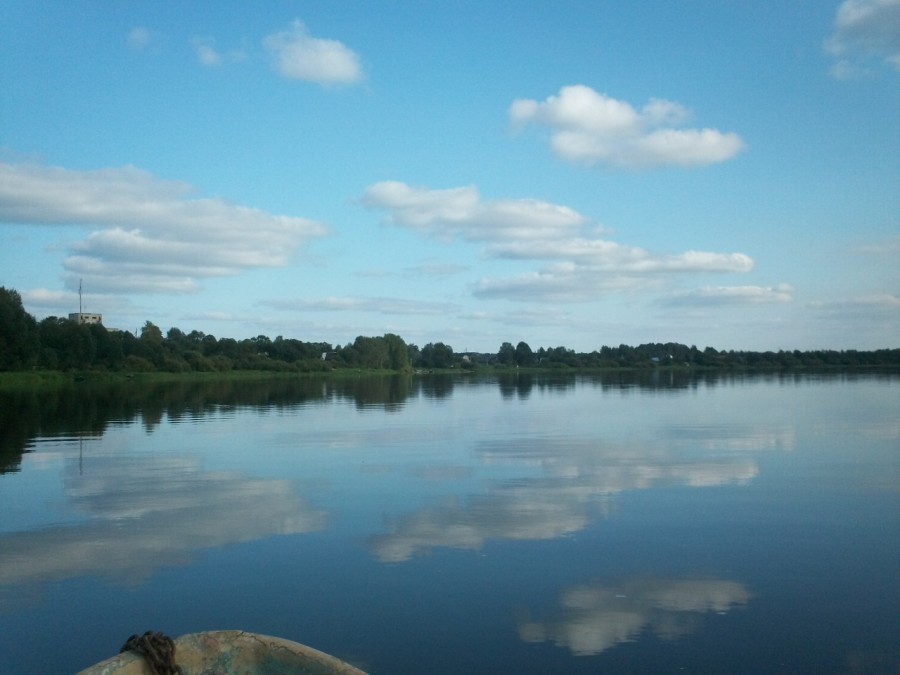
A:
[(865, 30), (528, 229), (538, 316), (149, 234), (734, 295), (216, 316), (460, 212), (209, 56), (615, 270), (601, 254), (139, 38), (592, 128), (206, 52), (378, 305), (61, 302), (43, 297), (299, 56), (565, 282)]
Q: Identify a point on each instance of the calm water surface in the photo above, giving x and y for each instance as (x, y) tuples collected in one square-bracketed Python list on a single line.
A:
[(413, 525)]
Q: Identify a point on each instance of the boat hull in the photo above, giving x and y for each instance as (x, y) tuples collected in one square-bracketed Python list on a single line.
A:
[(230, 652)]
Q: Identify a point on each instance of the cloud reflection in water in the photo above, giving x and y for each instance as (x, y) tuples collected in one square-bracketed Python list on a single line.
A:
[(575, 485), (594, 618), (149, 513)]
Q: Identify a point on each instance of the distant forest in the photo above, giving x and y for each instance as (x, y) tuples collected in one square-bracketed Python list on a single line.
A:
[(60, 344)]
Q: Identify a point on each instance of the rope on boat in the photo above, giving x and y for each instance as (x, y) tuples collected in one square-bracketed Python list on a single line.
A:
[(158, 651)]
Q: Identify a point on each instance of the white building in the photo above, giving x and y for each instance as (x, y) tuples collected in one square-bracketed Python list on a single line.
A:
[(85, 317)]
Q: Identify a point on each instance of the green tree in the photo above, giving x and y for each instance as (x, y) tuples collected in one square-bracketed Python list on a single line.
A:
[(209, 345), (176, 340), (506, 356), (372, 352), (151, 333), (19, 337), (150, 345), (398, 352), (436, 355), (108, 346), (524, 356), (66, 345)]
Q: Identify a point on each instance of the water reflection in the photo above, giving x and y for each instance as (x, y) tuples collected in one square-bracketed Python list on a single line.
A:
[(594, 618), (528, 512), (576, 483), (92, 407), (140, 514), (752, 489)]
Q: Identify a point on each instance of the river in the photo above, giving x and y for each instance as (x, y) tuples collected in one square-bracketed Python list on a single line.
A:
[(654, 522)]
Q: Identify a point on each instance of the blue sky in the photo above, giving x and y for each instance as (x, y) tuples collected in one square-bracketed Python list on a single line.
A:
[(572, 173)]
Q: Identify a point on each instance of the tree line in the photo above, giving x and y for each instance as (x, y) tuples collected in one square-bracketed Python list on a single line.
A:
[(57, 343)]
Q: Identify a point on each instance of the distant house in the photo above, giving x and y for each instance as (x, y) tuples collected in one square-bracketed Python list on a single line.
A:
[(85, 318)]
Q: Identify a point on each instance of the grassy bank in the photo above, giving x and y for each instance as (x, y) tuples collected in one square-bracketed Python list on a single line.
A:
[(53, 379), (48, 379)]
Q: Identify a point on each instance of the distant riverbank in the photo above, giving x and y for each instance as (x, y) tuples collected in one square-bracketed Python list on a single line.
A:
[(49, 379)]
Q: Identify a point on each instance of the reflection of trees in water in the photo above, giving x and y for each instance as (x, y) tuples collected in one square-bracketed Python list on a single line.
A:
[(389, 392), (521, 384), (435, 386), (88, 408)]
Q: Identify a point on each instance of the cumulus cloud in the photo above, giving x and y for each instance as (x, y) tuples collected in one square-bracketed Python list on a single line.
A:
[(566, 282), (299, 56), (590, 128), (149, 234), (734, 295), (588, 268), (603, 254), (43, 297), (460, 212), (594, 618), (528, 229), (865, 31), (139, 38)]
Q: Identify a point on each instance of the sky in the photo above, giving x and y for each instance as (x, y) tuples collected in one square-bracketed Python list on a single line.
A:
[(574, 174)]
